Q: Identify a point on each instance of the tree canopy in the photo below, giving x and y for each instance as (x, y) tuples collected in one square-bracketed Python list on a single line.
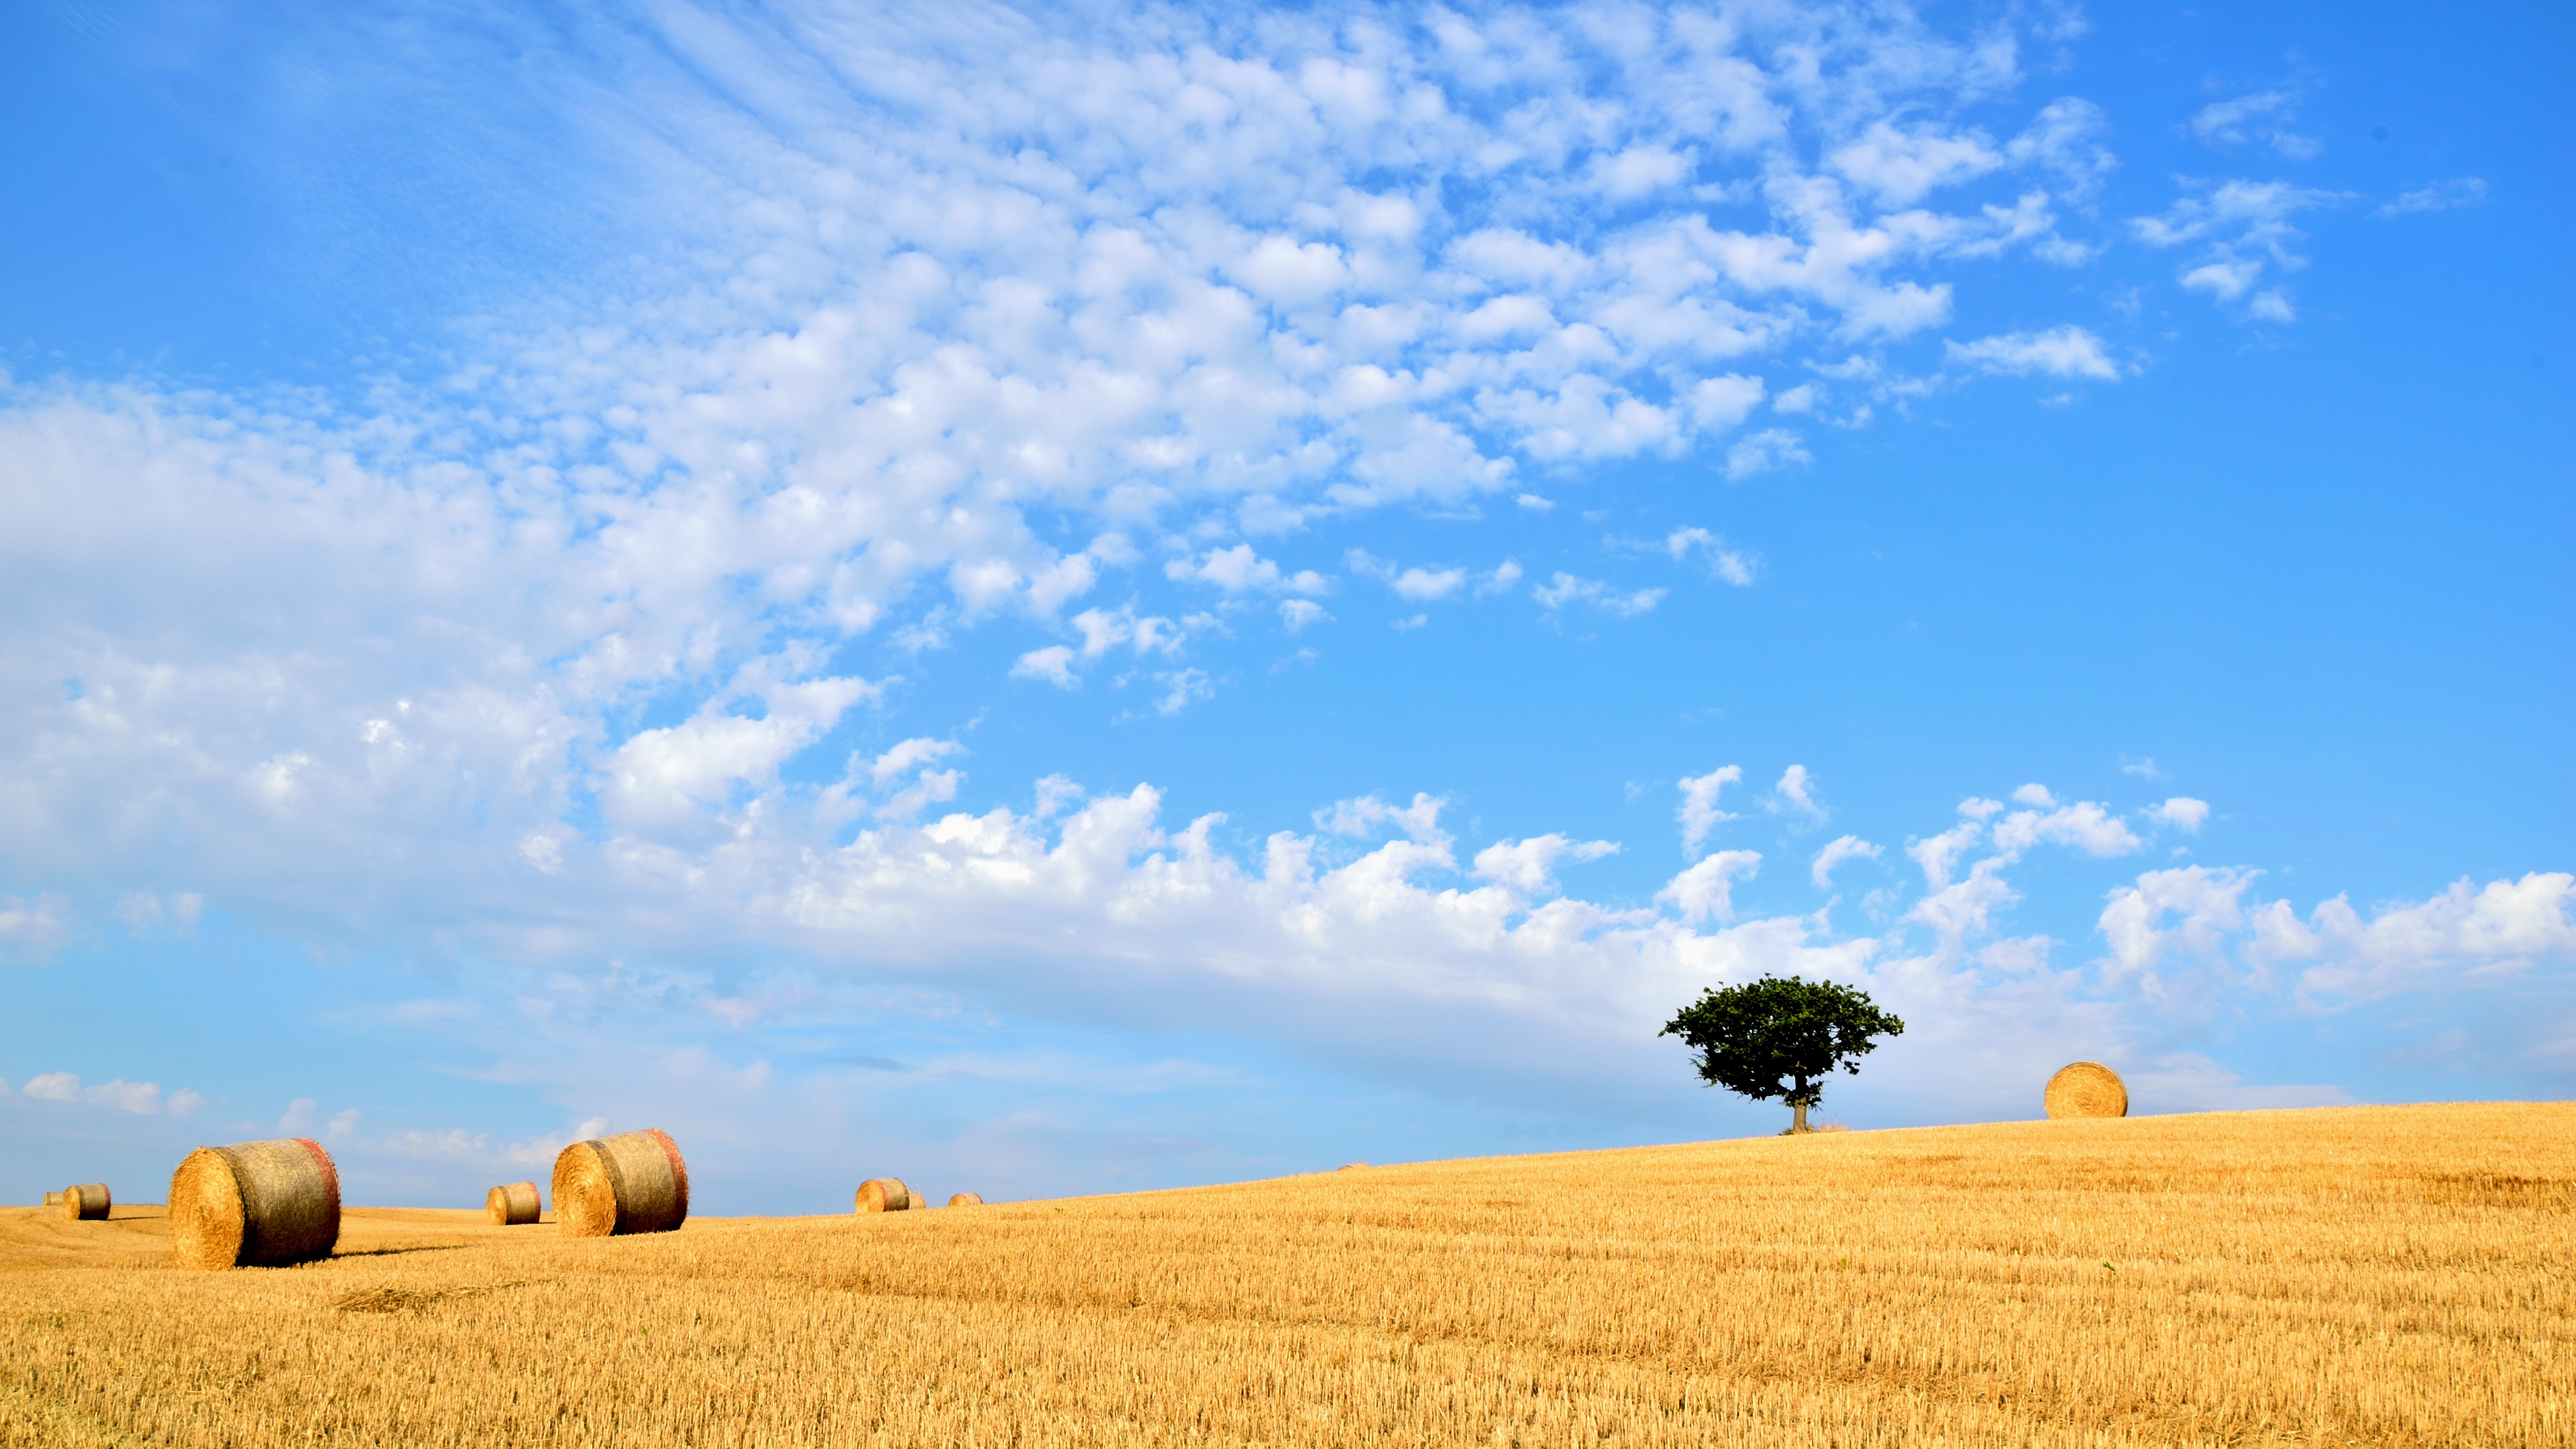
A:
[(1781, 1037)]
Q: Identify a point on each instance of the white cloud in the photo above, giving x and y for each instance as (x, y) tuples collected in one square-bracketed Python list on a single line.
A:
[(1054, 663), (1181, 689), (141, 1098), (665, 777), (1364, 816), (1238, 570), (1704, 892), (1763, 452), (2244, 235), (907, 756), (1564, 589), (2209, 903), (2035, 795), (148, 914), (299, 1117), (2502, 927), (1732, 564), (1699, 813), (1847, 847), (33, 929), (1938, 855), (1297, 614), (2263, 117), (1529, 866), (2067, 351), (1903, 167), (2439, 196), (2083, 825), (2184, 812), (1796, 791)]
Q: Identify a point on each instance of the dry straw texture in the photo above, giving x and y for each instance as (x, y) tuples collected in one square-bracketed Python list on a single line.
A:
[(254, 1205), (2087, 1089), (86, 1203), (512, 1204), (966, 1199), (884, 1195), (2356, 1276), (54, 1199), (633, 1182)]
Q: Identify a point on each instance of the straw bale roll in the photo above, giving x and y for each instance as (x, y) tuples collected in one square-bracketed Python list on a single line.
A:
[(255, 1205), (884, 1195), (967, 1199), (2087, 1089), (512, 1204), (633, 1182), (54, 1198), (86, 1203)]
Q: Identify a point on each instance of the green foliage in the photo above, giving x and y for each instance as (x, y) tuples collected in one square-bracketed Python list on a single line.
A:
[(1781, 1037)]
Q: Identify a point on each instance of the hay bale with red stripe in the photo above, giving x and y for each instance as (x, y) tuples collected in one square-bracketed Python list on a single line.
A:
[(633, 1182), (967, 1199), (512, 1204), (885, 1195), (255, 1205)]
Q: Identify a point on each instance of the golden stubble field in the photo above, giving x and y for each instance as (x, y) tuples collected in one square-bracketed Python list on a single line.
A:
[(2344, 1276)]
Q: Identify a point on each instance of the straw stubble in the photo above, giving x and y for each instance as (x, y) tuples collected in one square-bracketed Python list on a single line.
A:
[(633, 1182), (255, 1205)]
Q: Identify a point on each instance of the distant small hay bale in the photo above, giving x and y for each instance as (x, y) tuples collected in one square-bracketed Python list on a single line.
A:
[(512, 1204), (966, 1199), (884, 1195), (54, 1198), (255, 1205), (2087, 1089), (1350, 1167), (633, 1182), (86, 1203)]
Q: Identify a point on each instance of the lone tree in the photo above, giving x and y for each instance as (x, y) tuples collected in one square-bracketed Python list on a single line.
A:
[(1781, 1037)]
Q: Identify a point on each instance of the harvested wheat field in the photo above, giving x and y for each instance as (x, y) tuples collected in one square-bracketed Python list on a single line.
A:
[(2351, 1276)]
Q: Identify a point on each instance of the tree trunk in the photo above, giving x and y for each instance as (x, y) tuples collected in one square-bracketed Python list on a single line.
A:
[(1798, 1104)]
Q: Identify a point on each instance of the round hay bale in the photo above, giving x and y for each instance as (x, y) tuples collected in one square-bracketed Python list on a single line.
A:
[(512, 1204), (2087, 1089), (633, 1182), (884, 1195), (255, 1205), (54, 1199), (967, 1199), (1350, 1167), (86, 1203)]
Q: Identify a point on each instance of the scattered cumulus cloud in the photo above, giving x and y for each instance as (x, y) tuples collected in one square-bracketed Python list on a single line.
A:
[(1699, 812), (2184, 813), (1843, 848), (2439, 196), (2262, 118), (1564, 590), (2067, 351), (1734, 565)]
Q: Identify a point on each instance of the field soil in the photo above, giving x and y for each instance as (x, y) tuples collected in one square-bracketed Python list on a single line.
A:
[(2351, 1276)]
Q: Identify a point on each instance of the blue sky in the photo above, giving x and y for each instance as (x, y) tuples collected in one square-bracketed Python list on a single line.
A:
[(1064, 601)]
